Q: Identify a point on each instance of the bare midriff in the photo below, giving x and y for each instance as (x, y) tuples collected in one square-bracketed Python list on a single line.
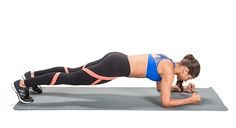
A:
[(138, 65)]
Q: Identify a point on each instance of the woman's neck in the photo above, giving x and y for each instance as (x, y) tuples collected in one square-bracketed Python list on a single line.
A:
[(177, 68)]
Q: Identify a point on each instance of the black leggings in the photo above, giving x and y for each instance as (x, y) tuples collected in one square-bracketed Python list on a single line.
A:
[(111, 66)]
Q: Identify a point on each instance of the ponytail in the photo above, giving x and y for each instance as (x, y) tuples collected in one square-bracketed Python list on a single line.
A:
[(179, 84)]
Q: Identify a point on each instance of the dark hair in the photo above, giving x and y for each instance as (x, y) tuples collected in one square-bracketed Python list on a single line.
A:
[(194, 68)]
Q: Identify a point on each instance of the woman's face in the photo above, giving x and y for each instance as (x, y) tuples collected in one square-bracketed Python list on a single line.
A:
[(183, 75)]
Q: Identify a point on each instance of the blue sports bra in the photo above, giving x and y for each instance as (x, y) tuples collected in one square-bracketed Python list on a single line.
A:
[(153, 62)]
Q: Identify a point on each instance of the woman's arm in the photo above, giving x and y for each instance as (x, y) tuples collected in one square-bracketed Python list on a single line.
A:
[(165, 86)]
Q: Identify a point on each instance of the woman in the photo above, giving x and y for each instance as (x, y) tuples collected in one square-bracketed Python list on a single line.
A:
[(156, 67)]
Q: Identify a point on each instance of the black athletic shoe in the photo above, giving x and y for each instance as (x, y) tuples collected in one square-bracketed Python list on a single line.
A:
[(22, 93), (27, 75), (37, 89)]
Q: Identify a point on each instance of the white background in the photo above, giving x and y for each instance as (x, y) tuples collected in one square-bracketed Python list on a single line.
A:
[(42, 34)]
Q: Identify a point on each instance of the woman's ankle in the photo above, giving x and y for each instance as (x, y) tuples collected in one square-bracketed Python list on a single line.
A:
[(22, 84), (32, 74)]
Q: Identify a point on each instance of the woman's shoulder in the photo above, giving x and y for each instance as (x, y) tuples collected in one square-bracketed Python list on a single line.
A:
[(166, 66)]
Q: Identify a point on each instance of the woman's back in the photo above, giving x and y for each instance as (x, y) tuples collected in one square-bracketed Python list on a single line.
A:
[(138, 65)]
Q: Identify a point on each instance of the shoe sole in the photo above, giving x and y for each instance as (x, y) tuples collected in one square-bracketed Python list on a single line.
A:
[(34, 91), (13, 87)]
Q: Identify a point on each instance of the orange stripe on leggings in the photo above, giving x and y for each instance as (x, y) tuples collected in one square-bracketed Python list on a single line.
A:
[(95, 82), (93, 74), (66, 70), (54, 79)]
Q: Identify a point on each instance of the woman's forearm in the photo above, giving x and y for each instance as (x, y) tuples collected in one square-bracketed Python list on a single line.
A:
[(177, 102)]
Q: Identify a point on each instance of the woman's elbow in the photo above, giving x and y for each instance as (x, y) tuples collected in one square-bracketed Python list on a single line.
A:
[(166, 104)]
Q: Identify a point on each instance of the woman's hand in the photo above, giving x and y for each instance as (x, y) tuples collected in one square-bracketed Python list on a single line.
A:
[(189, 88), (195, 98)]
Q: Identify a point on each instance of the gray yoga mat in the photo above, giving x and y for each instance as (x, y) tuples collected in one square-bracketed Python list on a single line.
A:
[(116, 98)]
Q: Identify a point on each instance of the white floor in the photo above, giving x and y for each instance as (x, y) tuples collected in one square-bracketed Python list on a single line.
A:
[(42, 34)]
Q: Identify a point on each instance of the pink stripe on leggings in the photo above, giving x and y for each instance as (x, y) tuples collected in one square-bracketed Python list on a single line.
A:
[(66, 70), (95, 75), (54, 79)]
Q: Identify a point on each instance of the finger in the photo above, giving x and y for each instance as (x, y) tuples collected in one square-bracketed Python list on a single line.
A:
[(189, 91), (178, 89), (193, 86), (188, 87)]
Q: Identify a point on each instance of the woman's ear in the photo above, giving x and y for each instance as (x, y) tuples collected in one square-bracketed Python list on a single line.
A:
[(186, 70)]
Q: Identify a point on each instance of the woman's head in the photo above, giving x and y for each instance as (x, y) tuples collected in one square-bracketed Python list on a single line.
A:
[(190, 68)]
